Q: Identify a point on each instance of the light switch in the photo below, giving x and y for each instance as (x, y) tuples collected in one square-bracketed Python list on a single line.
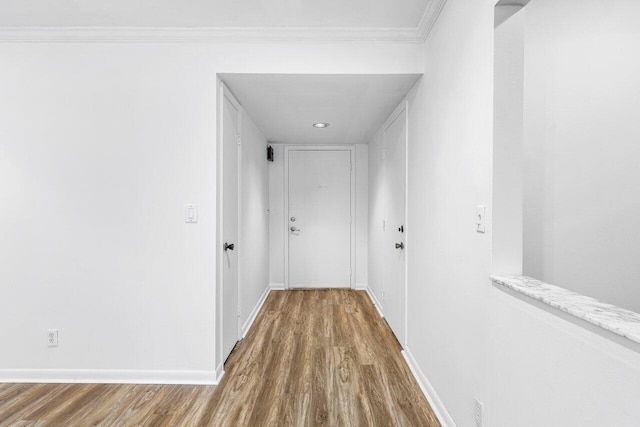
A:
[(480, 214), (191, 213)]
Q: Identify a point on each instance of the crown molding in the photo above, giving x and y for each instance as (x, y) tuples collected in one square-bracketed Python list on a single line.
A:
[(205, 35), (223, 35), (429, 18)]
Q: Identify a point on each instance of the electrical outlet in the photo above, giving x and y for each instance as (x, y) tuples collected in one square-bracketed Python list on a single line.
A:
[(52, 338), (479, 412)]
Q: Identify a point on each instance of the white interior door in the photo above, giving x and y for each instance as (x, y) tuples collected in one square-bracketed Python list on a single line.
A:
[(395, 137), (230, 139), (319, 218)]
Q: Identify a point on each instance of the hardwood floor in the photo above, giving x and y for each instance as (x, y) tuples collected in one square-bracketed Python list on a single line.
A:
[(312, 358)]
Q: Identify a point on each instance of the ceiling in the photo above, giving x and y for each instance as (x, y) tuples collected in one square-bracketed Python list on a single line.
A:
[(285, 106), (214, 13)]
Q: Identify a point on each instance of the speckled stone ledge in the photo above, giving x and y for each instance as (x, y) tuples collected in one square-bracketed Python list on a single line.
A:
[(608, 316)]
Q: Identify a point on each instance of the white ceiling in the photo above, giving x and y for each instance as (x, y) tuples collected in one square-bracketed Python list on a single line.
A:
[(213, 13), (285, 106)]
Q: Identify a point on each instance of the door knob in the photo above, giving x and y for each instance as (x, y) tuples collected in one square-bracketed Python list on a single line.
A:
[(400, 245), (228, 246), (293, 229)]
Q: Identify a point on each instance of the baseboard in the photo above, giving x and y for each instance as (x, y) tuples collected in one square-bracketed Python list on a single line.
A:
[(320, 286), (375, 301), (276, 286), (361, 287), (107, 376), (427, 389), (255, 311), (219, 373)]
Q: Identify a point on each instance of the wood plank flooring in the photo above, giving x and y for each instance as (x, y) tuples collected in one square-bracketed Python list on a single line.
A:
[(312, 358)]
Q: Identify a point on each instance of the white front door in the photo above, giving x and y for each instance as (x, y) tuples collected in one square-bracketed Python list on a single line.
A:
[(395, 136), (230, 135), (319, 218)]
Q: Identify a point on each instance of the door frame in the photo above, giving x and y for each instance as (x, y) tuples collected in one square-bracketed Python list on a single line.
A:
[(224, 92), (352, 150), (402, 107)]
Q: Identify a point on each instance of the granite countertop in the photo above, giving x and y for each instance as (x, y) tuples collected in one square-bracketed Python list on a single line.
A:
[(608, 316)]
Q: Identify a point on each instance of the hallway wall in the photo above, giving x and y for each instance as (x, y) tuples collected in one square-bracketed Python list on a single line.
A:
[(276, 217), (102, 144), (529, 364), (254, 218), (377, 215)]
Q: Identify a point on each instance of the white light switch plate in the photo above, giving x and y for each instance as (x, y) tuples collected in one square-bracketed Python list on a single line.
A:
[(480, 218), (191, 213)]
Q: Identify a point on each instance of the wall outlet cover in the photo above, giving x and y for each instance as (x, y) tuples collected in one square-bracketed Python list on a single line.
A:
[(52, 338)]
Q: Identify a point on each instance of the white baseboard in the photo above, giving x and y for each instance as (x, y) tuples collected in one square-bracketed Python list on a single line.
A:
[(429, 392), (219, 373), (361, 287), (375, 301), (276, 286), (107, 376), (255, 311)]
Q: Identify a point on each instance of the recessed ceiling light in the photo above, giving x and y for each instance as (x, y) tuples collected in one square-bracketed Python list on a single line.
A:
[(321, 125)]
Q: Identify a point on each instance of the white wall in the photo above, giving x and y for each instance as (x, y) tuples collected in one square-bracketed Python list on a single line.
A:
[(253, 249), (362, 216), (582, 196), (377, 215), (530, 366), (277, 219), (449, 174), (508, 114), (101, 145)]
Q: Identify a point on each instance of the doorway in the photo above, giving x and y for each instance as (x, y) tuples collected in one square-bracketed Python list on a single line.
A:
[(330, 177), (230, 225), (319, 211)]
